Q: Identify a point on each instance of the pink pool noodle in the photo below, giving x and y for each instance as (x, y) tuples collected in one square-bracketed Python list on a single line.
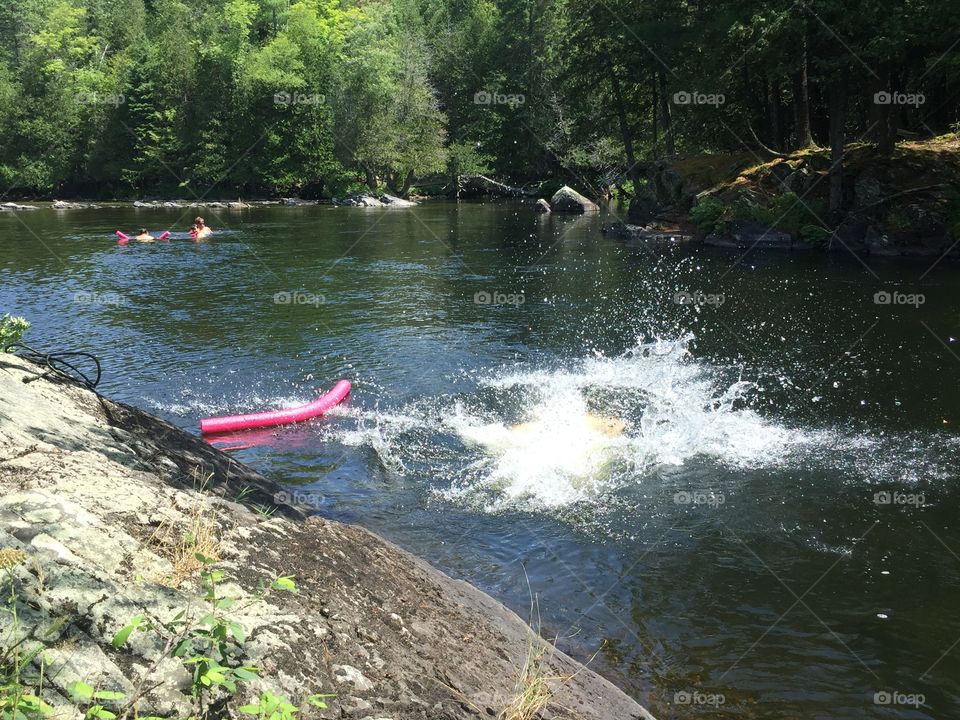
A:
[(278, 417), (122, 239), (164, 236)]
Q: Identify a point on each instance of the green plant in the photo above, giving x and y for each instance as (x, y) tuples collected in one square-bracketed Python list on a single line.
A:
[(789, 212), (708, 215), (264, 511), (19, 699), (277, 707), (814, 234), (624, 190), (11, 330), (244, 492), (215, 640), (897, 220), (211, 648), (82, 694)]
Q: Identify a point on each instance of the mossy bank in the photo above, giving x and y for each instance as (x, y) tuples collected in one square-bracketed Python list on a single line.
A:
[(147, 574), (906, 202)]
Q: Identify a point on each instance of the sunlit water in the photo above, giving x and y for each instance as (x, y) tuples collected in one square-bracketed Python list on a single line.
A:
[(744, 505)]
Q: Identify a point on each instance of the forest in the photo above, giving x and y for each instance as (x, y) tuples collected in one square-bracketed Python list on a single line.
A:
[(124, 98)]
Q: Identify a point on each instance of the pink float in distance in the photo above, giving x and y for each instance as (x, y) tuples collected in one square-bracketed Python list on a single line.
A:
[(278, 417), (124, 239)]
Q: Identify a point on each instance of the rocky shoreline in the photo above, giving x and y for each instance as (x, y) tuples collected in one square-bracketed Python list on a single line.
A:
[(904, 203), (354, 200), (108, 514)]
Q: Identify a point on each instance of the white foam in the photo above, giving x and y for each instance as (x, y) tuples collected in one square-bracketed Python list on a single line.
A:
[(675, 409), (523, 437)]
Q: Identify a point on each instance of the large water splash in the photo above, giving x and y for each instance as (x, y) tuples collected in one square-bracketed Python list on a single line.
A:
[(552, 437)]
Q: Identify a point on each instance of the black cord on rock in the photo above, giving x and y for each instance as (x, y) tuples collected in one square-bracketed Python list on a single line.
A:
[(59, 364)]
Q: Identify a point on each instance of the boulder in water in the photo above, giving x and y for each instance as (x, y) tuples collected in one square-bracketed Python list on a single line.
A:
[(566, 199), (643, 208), (542, 207)]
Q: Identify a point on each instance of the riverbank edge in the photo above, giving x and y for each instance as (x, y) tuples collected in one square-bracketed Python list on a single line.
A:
[(902, 203), (92, 492)]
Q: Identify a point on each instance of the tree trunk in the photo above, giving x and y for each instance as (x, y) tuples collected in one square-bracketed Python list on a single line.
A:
[(774, 115), (407, 182), (801, 97), (654, 105), (882, 116), (668, 140), (837, 101), (625, 132), (371, 177)]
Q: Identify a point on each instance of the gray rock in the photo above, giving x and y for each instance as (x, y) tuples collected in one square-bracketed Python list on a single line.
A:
[(867, 191), (798, 181), (542, 207), (745, 234), (643, 208), (349, 675), (668, 186), (394, 201), (566, 199)]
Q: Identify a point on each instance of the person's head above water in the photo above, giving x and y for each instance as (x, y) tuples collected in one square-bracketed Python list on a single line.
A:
[(143, 231), (198, 222)]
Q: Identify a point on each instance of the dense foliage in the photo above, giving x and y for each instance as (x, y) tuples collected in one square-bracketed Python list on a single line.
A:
[(134, 97)]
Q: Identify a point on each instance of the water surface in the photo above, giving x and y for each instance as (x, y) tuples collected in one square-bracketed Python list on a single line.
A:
[(772, 535)]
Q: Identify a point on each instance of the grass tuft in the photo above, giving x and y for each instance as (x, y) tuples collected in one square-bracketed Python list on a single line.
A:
[(181, 545)]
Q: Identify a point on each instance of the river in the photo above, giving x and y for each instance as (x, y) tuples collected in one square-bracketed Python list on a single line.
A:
[(773, 533)]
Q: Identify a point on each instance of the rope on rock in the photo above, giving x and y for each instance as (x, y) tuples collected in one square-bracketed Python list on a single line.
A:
[(60, 365)]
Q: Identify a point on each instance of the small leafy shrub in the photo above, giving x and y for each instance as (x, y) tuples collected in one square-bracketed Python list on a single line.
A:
[(85, 696), (814, 234), (211, 648), (789, 212), (19, 696), (897, 220), (277, 707), (708, 215), (11, 330)]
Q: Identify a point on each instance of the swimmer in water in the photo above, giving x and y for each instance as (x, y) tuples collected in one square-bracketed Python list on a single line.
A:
[(613, 427), (202, 230), (144, 236)]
